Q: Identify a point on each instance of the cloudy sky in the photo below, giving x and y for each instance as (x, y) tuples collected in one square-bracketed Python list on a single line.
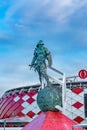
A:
[(61, 24)]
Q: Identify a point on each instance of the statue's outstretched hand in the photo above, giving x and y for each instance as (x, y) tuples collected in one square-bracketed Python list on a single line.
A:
[(30, 65)]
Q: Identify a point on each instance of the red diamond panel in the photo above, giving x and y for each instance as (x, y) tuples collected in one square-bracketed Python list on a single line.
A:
[(25, 123), (20, 114), (77, 105), (31, 114), (78, 119), (32, 93), (22, 94), (39, 112), (30, 100), (14, 95), (77, 90)]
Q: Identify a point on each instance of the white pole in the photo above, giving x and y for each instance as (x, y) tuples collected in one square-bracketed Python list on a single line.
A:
[(64, 93)]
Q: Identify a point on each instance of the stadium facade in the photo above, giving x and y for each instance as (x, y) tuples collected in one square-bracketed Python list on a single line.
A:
[(18, 106)]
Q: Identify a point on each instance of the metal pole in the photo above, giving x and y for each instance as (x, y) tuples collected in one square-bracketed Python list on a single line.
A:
[(64, 93), (4, 124)]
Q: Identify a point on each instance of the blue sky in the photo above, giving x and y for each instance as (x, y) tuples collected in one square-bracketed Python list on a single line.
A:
[(62, 25)]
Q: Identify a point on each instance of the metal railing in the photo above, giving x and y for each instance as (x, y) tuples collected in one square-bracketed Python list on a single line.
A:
[(82, 126)]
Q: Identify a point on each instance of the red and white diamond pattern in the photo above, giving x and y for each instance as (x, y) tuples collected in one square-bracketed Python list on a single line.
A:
[(30, 108), (75, 104), (24, 105)]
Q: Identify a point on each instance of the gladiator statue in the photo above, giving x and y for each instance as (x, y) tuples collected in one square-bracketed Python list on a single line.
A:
[(41, 55)]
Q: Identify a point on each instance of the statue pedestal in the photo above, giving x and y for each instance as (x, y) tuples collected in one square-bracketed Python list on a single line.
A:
[(51, 121)]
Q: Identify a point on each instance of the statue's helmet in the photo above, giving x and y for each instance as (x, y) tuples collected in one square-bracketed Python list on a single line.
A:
[(40, 43)]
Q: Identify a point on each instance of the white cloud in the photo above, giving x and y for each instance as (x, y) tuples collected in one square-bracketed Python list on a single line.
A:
[(55, 10), (14, 8), (61, 10)]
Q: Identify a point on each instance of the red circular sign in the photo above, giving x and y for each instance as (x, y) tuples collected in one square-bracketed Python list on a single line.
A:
[(82, 74)]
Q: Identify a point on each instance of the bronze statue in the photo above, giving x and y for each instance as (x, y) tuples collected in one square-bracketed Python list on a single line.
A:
[(41, 54)]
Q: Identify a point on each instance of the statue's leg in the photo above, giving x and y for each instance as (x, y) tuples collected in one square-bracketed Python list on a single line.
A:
[(40, 77), (44, 74)]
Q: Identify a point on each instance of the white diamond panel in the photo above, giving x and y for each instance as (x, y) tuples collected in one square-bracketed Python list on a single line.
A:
[(36, 110), (26, 97), (25, 104), (25, 111), (16, 98)]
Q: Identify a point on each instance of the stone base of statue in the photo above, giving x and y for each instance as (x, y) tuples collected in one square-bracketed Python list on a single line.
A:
[(51, 121)]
